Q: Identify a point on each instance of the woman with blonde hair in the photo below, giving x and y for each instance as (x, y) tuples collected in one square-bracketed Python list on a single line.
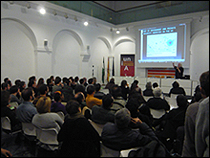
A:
[(45, 118)]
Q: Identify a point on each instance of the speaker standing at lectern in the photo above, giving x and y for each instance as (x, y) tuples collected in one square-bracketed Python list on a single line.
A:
[(179, 70)]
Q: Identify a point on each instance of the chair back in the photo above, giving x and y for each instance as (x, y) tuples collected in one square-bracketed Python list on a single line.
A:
[(98, 127), (29, 129), (5, 123), (107, 152), (47, 135), (61, 114), (157, 113)]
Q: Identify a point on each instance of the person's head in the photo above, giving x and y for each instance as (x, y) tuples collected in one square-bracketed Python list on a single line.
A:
[(73, 107), (76, 79), (107, 101), (157, 92), (155, 84), (32, 83), (204, 83), (65, 80), (179, 65), (43, 105), (32, 78), (27, 94), (58, 96), (80, 97), (40, 81), (90, 89), (181, 100), (116, 91), (17, 82), (149, 85), (94, 80), (43, 89), (112, 80), (97, 87), (90, 81), (6, 79), (122, 118), (81, 81), (123, 83), (5, 98), (49, 81), (14, 89), (57, 80), (4, 86), (175, 84)]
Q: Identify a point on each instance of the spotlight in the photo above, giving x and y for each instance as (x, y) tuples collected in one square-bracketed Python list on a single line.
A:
[(118, 31), (42, 11), (66, 16), (86, 23)]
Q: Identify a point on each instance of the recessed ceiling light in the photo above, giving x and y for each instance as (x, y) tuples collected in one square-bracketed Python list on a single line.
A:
[(86, 23), (42, 11)]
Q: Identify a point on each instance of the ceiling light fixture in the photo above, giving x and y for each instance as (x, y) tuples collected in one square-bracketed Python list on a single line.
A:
[(42, 11), (86, 23), (118, 31)]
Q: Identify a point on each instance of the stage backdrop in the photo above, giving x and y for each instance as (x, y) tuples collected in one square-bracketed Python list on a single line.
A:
[(127, 65)]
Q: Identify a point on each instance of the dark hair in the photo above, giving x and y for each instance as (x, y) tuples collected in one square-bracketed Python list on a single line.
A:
[(4, 85), (6, 79), (32, 78), (132, 105), (40, 82), (90, 81), (17, 82), (26, 93), (4, 98), (48, 81), (42, 89), (123, 83), (13, 89), (107, 101), (57, 96), (76, 79), (30, 83), (79, 97), (90, 89), (181, 100), (65, 79), (57, 79), (81, 81), (97, 86), (116, 91), (111, 80), (175, 84), (72, 107), (204, 83), (155, 85)]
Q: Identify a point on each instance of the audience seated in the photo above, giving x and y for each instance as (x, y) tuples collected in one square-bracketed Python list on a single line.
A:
[(78, 137), (137, 93), (103, 114), (134, 85), (6, 111), (80, 88), (157, 102), (119, 136), (90, 99), (58, 85), (119, 101), (5, 86), (50, 84), (43, 91), (169, 122), (98, 94), (125, 89), (155, 84), (67, 91), (32, 84), (26, 110), (176, 89), (40, 82), (57, 106), (80, 97), (189, 126), (202, 119), (196, 95), (110, 84), (14, 91), (148, 91)]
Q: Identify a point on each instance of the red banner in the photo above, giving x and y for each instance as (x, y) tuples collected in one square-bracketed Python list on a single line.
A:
[(127, 65)]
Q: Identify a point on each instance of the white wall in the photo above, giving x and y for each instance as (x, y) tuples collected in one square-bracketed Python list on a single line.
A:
[(23, 53)]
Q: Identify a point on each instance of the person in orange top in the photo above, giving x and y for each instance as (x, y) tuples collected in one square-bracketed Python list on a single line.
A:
[(90, 99)]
